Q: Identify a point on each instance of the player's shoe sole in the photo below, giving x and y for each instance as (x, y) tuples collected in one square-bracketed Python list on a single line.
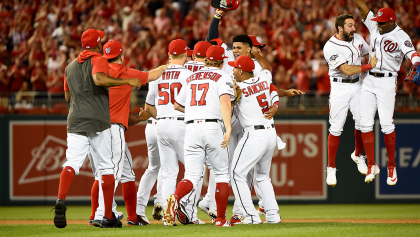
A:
[(361, 165), (60, 214), (157, 211), (169, 214), (261, 211), (181, 215)]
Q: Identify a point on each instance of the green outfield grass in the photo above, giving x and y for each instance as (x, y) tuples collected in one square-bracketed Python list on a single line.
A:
[(288, 212)]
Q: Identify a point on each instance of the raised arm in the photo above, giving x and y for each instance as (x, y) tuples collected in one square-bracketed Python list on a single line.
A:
[(214, 25), (156, 73), (101, 79), (363, 8), (261, 60)]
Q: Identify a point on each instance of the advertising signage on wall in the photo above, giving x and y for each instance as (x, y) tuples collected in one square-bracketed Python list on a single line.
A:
[(38, 151), (407, 160)]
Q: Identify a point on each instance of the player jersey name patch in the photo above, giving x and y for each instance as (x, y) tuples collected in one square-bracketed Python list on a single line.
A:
[(390, 46), (168, 75), (259, 87), (203, 76)]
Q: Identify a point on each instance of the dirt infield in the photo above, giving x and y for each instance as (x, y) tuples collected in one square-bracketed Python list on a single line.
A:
[(83, 222)]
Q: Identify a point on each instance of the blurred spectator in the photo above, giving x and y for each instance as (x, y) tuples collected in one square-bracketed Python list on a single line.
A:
[(55, 84), (24, 97), (18, 73), (323, 84), (39, 77)]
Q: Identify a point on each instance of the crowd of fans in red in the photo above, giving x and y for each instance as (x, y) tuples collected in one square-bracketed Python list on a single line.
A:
[(38, 38)]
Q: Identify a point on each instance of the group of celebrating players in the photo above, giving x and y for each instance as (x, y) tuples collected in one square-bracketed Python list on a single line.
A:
[(216, 111)]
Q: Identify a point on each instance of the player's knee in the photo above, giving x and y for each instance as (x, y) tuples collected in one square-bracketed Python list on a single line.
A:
[(263, 178), (387, 129), (72, 168), (366, 129), (335, 132), (222, 178)]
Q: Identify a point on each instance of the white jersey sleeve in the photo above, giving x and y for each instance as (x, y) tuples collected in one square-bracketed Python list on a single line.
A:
[(365, 50), (332, 56), (371, 25), (405, 44), (182, 97), (257, 68), (152, 93), (228, 53), (225, 85)]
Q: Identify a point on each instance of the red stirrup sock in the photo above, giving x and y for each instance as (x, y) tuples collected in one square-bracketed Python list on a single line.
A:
[(369, 144), (94, 196), (358, 143), (184, 187), (66, 177), (390, 148), (333, 142), (221, 196), (130, 199), (108, 186)]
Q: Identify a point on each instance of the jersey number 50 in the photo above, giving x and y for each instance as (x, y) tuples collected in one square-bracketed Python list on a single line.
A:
[(165, 94), (204, 88)]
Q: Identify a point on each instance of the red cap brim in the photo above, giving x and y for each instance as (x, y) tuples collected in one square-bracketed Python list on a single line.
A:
[(232, 64), (101, 33), (379, 19)]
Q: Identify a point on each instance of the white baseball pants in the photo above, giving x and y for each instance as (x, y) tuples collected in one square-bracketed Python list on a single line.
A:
[(152, 173), (378, 94), (170, 136), (255, 150), (344, 96)]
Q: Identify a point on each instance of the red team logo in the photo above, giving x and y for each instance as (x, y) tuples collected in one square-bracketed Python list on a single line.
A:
[(389, 46)]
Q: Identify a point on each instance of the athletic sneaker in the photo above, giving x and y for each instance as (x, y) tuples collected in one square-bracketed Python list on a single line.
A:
[(119, 215), (203, 207), (235, 219), (392, 176), (261, 211), (90, 222), (273, 219), (141, 220), (372, 171), (331, 179), (169, 214), (164, 222), (213, 214), (182, 216), (60, 214), (157, 213), (97, 223), (199, 222), (219, 222), (114, 223), (360, 161)]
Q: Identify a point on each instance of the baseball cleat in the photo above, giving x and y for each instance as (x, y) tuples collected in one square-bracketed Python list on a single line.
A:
[(90, 222), (182, 216), (213, 214), (392, 176), (360, 161), (169, 214), (97, 223), (261, 211), (60, 214), (199, 222), (114, 223), (372, 171), (235, 219), (219, 222), (157, 213), (273, 219), (203, 207), (141, 220), (119, 215), (164, 222), (331, 179)]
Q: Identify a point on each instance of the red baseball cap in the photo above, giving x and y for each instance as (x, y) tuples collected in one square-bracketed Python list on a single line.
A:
[(230, 5), (255, 42), (384, 15), (215, 53), (177, 47), (189, 52), (112, 49), (243, 62), (91, 38), (201, 48)]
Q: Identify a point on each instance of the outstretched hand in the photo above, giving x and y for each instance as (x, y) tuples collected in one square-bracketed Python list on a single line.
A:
[(293, 92)]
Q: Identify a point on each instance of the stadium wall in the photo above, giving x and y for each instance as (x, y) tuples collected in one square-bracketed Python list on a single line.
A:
[(32, 150)]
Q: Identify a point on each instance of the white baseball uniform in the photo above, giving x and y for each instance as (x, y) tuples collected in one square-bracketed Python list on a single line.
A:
[(256, 147), (345, 90), (170, 126), (194, 66), (204, 130), (151, 175), (379, 87)]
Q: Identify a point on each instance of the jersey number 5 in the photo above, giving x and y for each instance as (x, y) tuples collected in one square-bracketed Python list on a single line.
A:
[(165, 94), (262, 100), (205, 88)]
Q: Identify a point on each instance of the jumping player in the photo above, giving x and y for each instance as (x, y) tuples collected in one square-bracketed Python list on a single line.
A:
[(343, 53), (89, 122), (391, 45)]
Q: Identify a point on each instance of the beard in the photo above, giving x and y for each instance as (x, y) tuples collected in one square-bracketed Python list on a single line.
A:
[(348, 36)]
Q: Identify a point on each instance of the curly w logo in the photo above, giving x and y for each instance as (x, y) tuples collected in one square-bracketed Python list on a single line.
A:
[(389, 46)]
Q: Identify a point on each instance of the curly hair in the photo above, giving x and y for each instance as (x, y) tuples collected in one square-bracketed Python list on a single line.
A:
[(210, 63)]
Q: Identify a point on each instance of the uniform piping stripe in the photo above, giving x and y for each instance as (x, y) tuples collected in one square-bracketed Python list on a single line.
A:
[(252, 82), (121, 156), (233, 176), (131, 167), (344, 46), (380, 48), (409, 52), (112, 152)]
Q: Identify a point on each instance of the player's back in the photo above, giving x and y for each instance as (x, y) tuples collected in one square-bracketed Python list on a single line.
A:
[(202, 92), (194, 66), (167, 88), (255, 100)]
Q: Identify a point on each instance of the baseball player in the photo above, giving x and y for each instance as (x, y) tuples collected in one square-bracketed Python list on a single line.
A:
[(391, 45), (198, 54), (204, 133), (343, 53), (119, 106), (89, 122), (170, 126)]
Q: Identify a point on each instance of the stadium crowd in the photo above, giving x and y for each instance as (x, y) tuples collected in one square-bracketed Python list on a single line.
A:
[(38, 38)]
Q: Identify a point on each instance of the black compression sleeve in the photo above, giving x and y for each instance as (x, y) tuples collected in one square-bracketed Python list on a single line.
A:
[(213, 29)]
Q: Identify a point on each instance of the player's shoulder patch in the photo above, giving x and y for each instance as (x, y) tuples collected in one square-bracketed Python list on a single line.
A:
[(408, 44), (333, 57), (229, 84)]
